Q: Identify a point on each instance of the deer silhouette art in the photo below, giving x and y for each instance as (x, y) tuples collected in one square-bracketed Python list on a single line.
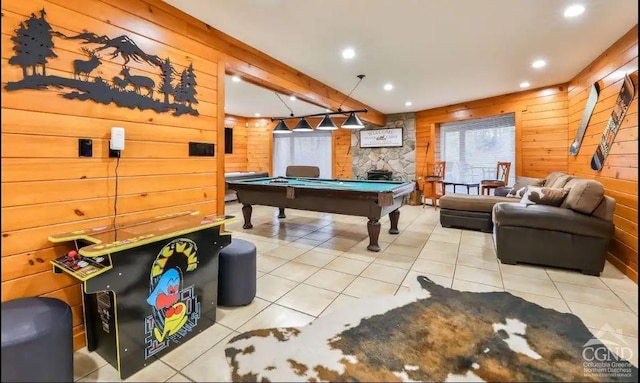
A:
[(86, 66), (138, 81), (120, 83)]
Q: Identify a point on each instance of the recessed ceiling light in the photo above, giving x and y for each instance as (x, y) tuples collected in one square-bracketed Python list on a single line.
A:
[(236, 79), (387, 86), (327, 110), (573, 10), (348, 53), (257, 114), (538, 64), (292, 98), (525, 84), (408, 103)]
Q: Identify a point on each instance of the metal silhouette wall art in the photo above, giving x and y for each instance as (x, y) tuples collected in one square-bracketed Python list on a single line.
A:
[(33, 47)]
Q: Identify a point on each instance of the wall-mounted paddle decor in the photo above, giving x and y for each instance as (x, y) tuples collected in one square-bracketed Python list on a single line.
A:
[(34, 43)]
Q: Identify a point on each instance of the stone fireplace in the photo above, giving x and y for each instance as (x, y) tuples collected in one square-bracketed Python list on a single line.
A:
[(398, 160)]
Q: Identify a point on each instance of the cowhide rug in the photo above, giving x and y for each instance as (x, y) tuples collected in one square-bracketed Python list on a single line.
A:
[(438, 334)]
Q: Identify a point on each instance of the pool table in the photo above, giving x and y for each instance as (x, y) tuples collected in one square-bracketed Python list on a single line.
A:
[(371, 199)]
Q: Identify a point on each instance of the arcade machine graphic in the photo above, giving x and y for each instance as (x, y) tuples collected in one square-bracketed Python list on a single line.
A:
[(175, 310), (148, 287)]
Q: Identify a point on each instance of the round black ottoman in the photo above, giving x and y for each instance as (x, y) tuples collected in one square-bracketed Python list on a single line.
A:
[(237, 274), (37, 341)]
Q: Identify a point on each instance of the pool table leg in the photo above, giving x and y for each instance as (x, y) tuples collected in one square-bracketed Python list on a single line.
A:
[(281, 213), (394, 216), (246, 212), (373, 226)]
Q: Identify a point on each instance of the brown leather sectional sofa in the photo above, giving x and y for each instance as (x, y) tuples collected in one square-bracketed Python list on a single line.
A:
[(575, 235)]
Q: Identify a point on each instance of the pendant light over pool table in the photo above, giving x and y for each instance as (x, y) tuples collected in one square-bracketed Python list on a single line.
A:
[(352, 121)]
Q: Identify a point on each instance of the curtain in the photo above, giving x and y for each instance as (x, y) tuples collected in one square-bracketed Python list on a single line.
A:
[(472, 148), (303, 148)]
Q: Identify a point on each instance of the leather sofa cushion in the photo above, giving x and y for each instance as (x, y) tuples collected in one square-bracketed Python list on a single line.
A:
[(521, 184), (551, 218), (472, 202), (605, 209), (584, 195), (551, 178), (560, 182)]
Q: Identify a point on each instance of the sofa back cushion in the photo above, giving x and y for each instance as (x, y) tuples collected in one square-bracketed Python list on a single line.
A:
[(551, 178), (560, 182), (521, 184), (584, 195)]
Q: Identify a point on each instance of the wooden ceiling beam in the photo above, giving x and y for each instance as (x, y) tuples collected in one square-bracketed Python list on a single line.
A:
[(261, 69)]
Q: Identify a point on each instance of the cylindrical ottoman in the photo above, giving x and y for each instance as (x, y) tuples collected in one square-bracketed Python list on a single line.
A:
[(237, 274), (37, 341)]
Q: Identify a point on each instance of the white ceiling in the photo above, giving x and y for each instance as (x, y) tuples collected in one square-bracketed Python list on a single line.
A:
[(245, 99), (434, 52)]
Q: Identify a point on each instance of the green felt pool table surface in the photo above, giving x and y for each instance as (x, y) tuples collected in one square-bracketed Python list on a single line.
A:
[(322, 183)]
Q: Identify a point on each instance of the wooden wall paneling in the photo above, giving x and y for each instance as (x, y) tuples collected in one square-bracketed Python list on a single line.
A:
[(541, 126), (619, 174), (259, 141), (342, 153), (25, 240), (237, 161), (423, 137), (220, 154)]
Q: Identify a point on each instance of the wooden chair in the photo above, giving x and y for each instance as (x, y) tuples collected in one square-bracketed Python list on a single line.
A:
[(433, 183), (303, 171), (502, 178), (299, 171)]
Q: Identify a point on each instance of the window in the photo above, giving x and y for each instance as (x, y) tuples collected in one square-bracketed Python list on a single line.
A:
[(302, 148), (228, 140), (473, 148)]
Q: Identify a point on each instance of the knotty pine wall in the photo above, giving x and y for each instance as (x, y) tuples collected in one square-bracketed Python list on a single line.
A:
[(47, 188), (541, 128), (236, 161), (620, 172), (260, 145), (341, 153)]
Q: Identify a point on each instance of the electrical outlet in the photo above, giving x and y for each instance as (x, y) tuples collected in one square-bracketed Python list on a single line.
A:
[(114, 153)]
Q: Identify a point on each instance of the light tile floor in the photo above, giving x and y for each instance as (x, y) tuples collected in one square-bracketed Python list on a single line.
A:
[(312, 263)]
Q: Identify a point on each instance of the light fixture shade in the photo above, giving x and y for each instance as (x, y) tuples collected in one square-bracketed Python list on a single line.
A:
[(303, 126), (353, 122), (327, 124), (281, 128)]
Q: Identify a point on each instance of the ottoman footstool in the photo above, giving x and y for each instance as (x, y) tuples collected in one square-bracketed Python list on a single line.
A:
[(237, 274), (37, 341), (469, 211)]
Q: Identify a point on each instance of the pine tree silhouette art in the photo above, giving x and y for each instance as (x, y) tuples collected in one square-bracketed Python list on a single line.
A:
[(179, 92), (189, 81), (24, 44), (166, 78), (41, 32)]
